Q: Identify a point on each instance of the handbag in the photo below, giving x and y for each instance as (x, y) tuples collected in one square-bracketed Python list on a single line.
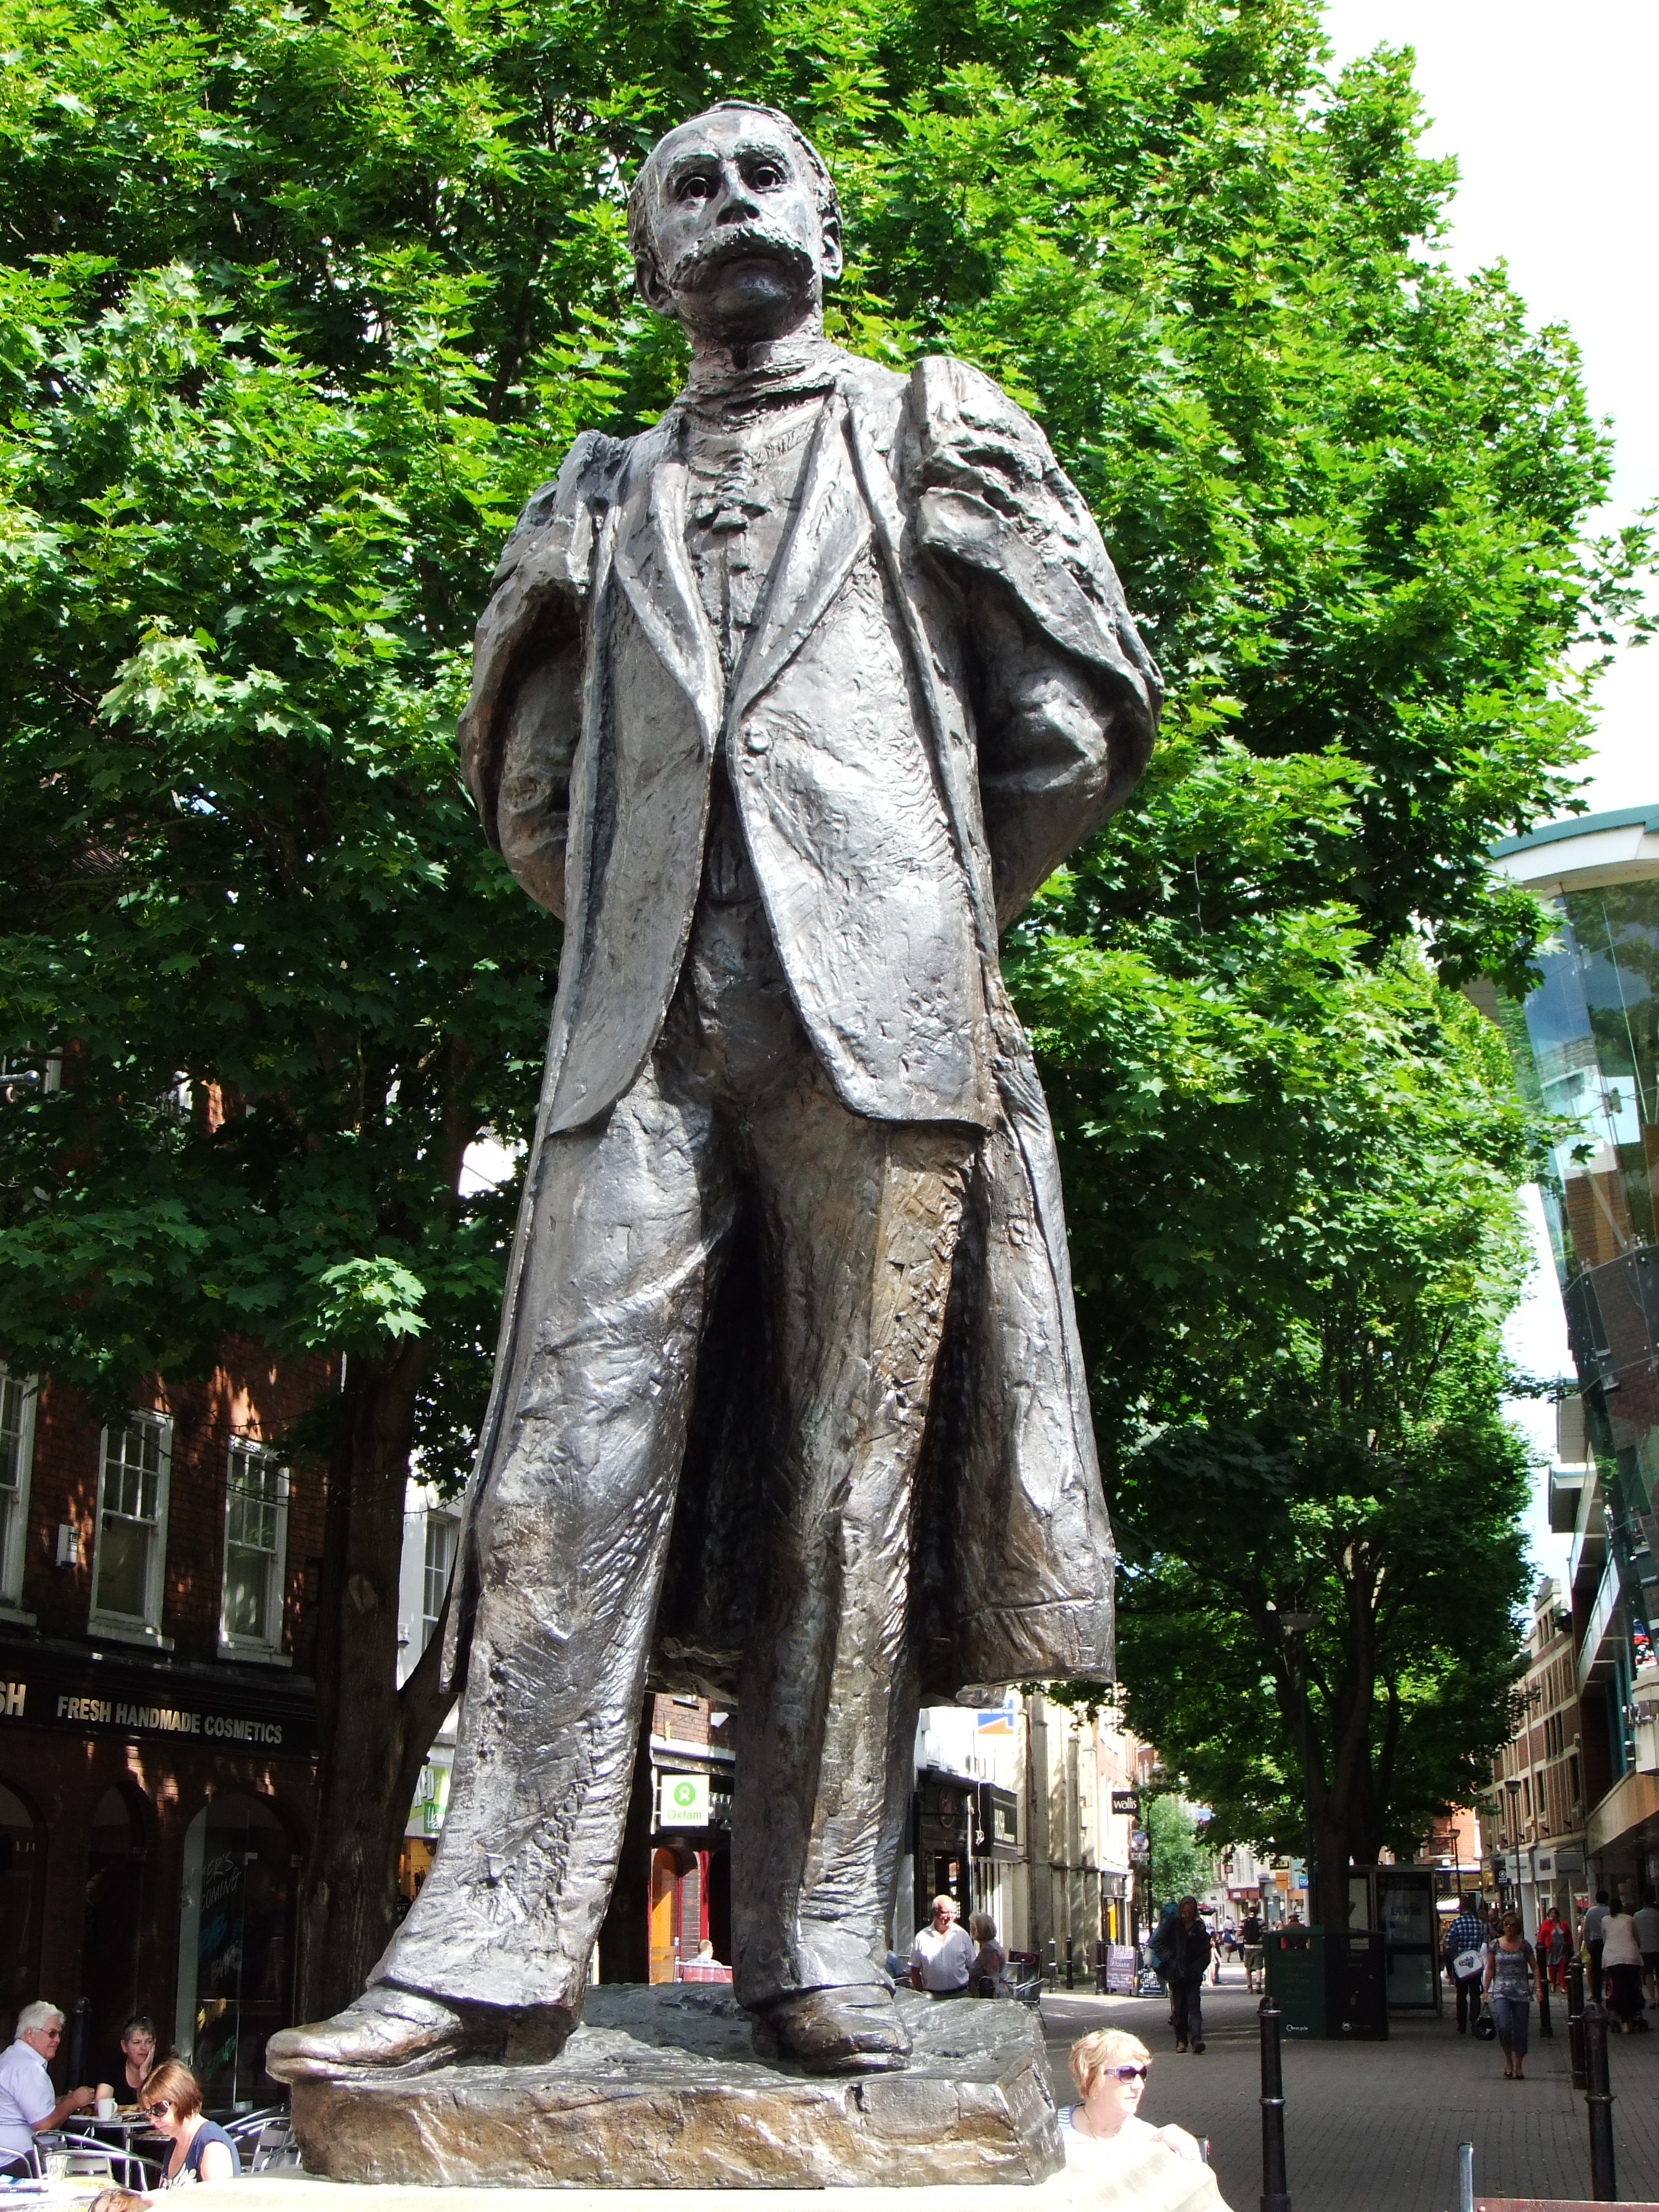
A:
[(1466, 1963)]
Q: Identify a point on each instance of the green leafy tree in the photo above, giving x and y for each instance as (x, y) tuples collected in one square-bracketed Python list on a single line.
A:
[(1323, 1519), (297, 304), (1177, 1864)]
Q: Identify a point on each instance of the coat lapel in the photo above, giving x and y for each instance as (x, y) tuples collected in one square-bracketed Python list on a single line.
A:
[(655, 570), (831, 529)]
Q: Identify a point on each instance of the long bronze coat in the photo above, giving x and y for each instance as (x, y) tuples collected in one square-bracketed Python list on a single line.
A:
[(900, 803)]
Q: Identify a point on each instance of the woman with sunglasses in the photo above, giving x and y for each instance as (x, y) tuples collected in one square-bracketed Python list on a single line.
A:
[(171, 2101), (1109, 2068)]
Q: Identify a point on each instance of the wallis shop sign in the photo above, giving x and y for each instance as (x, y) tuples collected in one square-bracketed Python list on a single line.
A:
[(143, 1705)]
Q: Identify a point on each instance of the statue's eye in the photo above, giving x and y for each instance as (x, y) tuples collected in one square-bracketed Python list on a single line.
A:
[(696, 187), (766, 176)]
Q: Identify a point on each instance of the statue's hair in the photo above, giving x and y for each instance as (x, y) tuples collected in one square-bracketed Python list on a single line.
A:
[(640, 244)]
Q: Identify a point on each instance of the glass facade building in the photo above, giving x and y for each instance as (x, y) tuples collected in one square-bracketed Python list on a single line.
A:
[(1585, 1048)]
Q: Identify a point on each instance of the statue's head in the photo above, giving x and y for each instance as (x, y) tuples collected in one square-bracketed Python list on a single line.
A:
[(734, 225)]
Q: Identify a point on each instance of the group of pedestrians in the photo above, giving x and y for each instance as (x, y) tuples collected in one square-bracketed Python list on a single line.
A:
[(1494, 1966), (1622, 1953), (950, 1960), (1490, 1960)]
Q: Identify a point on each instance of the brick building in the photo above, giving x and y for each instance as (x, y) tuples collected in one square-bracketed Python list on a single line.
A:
[(157, 1714), (1553, 1767)]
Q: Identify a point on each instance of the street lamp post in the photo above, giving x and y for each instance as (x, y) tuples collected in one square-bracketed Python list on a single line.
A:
[(1295, 1626)]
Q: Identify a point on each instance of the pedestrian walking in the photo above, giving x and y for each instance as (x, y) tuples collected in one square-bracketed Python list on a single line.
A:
[(1511, 1975), (1646, 1916), (1561, 1951), (1461, 1951), (1621, 1966), (1251, 1934), (1591, 1931), (1186, 1947), (942, 1956)]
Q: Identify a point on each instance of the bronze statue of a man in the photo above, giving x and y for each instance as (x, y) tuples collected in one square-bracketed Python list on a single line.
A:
[(786, 706)]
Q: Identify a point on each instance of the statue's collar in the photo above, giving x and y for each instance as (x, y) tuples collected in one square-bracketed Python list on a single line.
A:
[(762, 376)]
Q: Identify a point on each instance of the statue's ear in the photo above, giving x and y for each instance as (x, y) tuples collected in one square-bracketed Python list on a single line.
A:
[(834, 259), (648, 284)]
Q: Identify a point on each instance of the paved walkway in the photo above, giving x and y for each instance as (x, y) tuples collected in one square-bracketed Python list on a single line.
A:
[(1374, 2127)]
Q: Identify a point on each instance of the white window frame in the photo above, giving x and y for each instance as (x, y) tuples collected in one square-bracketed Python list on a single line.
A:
[(125, 1627), (14, 1553), (233, 1646), (451, 1522)]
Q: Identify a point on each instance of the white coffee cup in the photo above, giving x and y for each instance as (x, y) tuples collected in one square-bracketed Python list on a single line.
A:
[(106, 2108)]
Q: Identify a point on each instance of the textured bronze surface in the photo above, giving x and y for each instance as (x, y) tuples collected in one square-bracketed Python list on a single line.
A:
[(661, 2088), (786, 706)]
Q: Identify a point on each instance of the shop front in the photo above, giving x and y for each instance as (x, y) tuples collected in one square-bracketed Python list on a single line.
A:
[(154, 1817)]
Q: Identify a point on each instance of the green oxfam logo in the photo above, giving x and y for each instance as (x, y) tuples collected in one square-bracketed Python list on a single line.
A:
[(685, 1796)]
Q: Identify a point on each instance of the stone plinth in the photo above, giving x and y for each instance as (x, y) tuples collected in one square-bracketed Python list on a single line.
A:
[(661, 2089)]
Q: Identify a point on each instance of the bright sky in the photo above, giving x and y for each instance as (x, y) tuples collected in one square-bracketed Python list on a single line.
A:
[(1549, 112)]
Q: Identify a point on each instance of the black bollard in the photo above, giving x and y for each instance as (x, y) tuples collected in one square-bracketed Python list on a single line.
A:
[(1275, 2189), (1598, 2099), (1071, 1964), (1575, 2024), (1544, 2027)]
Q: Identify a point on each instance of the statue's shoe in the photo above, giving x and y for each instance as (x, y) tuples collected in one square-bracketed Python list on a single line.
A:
[(386, 2029), (846, 2031)]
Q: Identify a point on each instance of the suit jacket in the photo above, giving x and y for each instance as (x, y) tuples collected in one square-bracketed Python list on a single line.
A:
[(942, 692)]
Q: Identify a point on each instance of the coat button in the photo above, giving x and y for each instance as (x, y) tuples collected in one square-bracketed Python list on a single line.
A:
[(758, 740)]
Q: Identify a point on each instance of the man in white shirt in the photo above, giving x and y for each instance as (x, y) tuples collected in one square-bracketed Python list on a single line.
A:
[(942, 1954), (28, 2107)]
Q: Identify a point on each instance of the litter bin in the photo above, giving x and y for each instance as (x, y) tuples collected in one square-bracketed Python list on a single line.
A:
[(1296, 1979), (1356, 1984), (1329, 1985)]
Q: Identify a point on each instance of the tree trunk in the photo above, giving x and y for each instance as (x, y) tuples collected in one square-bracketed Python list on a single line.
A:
[(372, 1736)]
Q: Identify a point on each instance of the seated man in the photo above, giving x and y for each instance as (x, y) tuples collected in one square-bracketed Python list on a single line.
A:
[(28, 2106)]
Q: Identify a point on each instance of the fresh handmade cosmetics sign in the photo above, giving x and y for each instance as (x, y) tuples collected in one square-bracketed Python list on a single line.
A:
[(45, 1698), (169, 1720)]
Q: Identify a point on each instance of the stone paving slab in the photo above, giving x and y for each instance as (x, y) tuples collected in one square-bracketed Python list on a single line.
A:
[(1374, 2127)]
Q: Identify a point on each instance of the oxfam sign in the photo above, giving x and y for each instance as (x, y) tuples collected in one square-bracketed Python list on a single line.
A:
[(682, 1801)]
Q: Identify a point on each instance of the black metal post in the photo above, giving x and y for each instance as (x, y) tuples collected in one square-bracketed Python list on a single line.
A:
[(80, 2019), (1598, 2099), (1575, 2024), (1544, 2026), (1071, 1963), (1275, 2188)]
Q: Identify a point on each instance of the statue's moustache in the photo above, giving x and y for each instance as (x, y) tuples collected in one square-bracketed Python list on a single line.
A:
[(700, 261)]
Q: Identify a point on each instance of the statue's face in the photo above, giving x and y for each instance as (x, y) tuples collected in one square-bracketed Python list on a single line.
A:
[(741, 252)]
